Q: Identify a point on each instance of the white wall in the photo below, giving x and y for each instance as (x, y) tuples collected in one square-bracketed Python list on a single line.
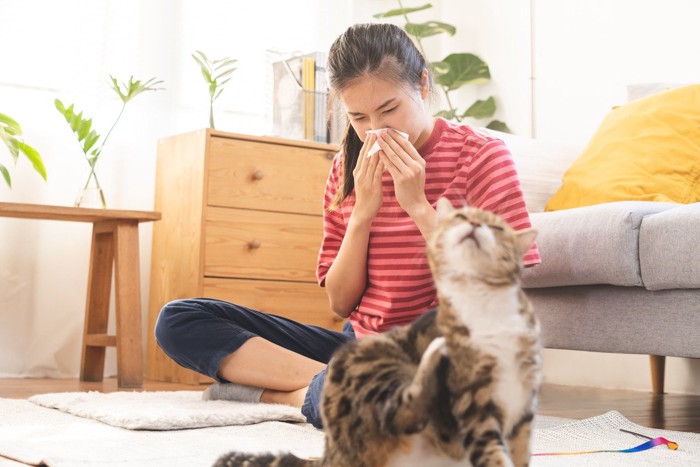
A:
[(67, 50), (585, 53)]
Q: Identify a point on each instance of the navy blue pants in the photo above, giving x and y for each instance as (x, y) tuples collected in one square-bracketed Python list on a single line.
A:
[(198, 333)]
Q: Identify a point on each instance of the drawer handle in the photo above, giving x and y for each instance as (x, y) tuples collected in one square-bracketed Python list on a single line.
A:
[(253, 244), (258, 175), (330, 156)]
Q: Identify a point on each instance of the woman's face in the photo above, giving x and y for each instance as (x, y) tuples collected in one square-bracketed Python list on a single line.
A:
[(373, 103)]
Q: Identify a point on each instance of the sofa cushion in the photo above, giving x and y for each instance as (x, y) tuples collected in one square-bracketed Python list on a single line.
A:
[(669, 249), (646, 150), (590, 245)]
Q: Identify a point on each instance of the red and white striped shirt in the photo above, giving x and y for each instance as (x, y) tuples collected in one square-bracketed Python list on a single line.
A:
[(461, 164)]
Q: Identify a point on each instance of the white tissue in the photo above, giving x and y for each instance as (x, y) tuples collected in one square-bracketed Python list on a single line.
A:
[(375, 147)]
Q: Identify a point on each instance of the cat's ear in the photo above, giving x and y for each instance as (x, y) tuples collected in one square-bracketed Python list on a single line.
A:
[(524, 240), (443, 208)]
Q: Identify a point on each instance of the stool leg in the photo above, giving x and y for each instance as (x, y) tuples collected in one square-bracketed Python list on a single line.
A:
[(128, 304), (92, 361), (658, 368)]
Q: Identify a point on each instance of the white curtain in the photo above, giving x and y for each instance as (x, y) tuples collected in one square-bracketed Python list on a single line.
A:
[(67, 50)]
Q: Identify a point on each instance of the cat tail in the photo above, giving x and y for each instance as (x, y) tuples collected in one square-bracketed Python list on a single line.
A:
[(237, 459)]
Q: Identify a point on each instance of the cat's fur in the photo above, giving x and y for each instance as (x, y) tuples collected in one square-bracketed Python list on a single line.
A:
[(456, 387)]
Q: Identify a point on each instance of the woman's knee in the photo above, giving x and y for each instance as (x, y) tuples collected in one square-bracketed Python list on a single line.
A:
[(172, 321)]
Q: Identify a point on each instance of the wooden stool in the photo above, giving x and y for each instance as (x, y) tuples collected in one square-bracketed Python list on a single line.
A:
[(115, 242)]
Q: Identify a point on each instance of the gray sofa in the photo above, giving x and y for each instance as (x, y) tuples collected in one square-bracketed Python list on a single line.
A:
[(620, 277)]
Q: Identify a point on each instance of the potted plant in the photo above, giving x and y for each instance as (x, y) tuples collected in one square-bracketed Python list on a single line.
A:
[(11, 136), (453, 71), (89, 139), (216, 73)]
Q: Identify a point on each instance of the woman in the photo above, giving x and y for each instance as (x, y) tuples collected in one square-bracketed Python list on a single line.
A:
[(379, 210)]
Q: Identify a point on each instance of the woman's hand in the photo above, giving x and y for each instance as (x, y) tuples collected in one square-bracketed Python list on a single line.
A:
[(368, 183), (407, 169)]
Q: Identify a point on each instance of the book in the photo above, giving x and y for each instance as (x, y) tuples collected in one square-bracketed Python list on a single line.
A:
[(320, 104), (308, 77)]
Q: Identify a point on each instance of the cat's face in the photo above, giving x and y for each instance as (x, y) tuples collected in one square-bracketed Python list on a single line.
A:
[(475, 243)]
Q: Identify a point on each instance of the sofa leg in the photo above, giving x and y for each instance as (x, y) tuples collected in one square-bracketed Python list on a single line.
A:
[(658, 367)]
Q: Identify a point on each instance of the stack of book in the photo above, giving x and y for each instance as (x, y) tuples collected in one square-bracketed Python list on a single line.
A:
[(300, 107)]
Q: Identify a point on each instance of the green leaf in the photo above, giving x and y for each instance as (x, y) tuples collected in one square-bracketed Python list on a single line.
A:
[(151, 84), (11, 126), (117, 89), (218, 93), (201, 54), (75, 122), (13, 145), (134, 88), (59, 105), (439, 68), (465, 68), (6, 175), (224, 74), (35, 158), (481, 109), (10, 131), (498, 126), (84, 129), (81, 127), (224, 63), (207, 76), (90, 141), (402, 11), (431, 28), (212, 88), (199, 61)]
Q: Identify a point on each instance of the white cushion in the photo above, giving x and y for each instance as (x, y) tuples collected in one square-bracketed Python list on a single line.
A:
[(540, 165)]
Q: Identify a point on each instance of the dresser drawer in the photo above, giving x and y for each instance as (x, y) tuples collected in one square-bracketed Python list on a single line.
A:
[(302, 302), (272, 177), (261, 245)]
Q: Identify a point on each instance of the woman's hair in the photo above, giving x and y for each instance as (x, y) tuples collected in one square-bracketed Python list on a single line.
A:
[(382, 50)]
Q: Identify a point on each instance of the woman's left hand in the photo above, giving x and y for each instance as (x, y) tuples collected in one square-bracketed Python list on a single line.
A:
[(407, 169)]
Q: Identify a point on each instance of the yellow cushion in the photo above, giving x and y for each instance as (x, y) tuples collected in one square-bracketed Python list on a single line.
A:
[(647, 150)]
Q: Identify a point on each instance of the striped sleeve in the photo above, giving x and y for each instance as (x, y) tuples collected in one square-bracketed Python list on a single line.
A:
[(493, 185), (333, 224)]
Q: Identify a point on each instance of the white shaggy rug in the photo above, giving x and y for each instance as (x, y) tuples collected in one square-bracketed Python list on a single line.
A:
[(37, 435), (34, 434), (164, 410)]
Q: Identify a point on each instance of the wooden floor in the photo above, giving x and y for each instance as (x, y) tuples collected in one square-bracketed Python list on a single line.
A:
[(669, 411)]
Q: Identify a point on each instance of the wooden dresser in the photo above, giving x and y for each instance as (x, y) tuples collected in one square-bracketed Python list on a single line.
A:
[(242, 222)]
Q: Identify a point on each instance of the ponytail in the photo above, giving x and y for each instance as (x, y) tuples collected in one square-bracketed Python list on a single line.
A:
[(350, 148)]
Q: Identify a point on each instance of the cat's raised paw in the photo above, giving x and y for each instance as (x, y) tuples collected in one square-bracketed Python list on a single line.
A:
[(437, 345)]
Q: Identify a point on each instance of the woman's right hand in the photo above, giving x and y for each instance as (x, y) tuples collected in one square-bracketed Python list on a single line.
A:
[(368, 183)]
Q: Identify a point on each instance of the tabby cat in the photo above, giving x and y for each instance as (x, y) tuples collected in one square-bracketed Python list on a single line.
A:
[(455, 388)]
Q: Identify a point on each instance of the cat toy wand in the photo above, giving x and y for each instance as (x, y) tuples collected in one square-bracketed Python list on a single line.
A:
[(652, 443)]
